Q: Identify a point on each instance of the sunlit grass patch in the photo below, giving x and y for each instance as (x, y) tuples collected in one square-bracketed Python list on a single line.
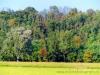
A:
[(48, 68)]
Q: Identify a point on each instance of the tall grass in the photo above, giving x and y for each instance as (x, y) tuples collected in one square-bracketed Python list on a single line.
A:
[(50, 65)]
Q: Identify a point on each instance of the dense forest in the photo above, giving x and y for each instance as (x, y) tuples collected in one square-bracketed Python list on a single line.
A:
[(52, 35)]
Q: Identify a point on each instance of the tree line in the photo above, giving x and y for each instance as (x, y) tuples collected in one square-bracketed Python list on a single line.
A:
[(52, 35)]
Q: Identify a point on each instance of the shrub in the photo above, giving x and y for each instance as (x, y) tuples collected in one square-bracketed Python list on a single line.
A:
[(87, 56)]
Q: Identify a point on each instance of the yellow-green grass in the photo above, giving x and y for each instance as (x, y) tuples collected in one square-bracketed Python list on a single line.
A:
[(49, 68)]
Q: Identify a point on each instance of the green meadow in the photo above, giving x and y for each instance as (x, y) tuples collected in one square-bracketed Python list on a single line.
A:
[(48, 68)]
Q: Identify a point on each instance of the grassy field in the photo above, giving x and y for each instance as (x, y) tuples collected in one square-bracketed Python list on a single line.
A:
[(33, 68)]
